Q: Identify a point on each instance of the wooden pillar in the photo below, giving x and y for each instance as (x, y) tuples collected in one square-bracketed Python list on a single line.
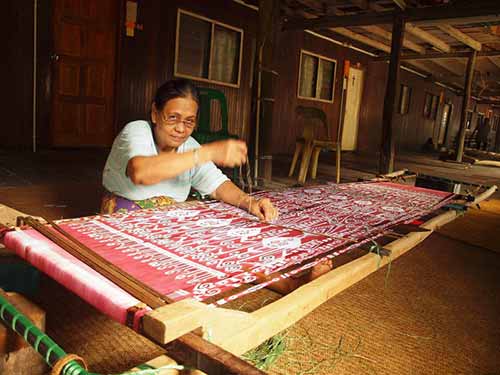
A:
[(465, 103), (386, 162), (265, 84)]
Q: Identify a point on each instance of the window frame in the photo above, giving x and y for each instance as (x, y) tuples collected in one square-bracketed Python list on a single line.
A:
[(431, 115), (213, 23), (334, 61), (409, 90)]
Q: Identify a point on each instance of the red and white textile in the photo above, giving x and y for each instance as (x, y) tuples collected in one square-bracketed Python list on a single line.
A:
[(203, 250)]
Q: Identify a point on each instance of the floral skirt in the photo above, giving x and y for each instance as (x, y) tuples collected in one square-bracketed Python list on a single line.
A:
[(112, 203)]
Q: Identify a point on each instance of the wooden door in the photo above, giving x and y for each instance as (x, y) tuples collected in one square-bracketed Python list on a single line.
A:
[(443, 125), (84, 72), (352, 106)]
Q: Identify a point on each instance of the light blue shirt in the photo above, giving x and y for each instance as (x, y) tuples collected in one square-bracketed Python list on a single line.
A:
[(136, 139)]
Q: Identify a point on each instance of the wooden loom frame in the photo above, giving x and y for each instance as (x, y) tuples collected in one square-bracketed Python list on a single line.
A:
[(236, 332)]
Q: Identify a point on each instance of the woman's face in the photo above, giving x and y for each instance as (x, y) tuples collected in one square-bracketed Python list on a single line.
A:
[(175, 123)]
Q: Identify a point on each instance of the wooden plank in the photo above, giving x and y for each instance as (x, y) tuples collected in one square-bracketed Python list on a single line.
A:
[(449, 14), (451, 66), (428, 37), (465, 104), (388, 35), (460, 36), (354, 36), (441, 55), (387, 149), (400, 3), (220, 361), (361, 38), (495, 60)]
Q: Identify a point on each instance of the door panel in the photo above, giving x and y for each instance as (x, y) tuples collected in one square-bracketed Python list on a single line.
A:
[(69, 79), (351, 115), (84, 65)]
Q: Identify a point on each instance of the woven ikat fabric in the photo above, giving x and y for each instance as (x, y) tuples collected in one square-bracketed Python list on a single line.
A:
[(202, 250)]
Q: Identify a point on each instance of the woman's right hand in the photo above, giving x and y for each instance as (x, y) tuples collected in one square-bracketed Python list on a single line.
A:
[(227, 153)]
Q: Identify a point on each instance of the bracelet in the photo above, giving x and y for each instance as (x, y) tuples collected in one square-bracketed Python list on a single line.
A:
[(196, 157)]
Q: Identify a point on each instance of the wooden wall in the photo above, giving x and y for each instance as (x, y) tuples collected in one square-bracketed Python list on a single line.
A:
[(412, 129), (287, 127), (147, 59), (17, 74)]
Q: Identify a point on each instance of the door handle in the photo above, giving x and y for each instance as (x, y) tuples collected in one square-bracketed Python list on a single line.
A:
[(54, 57)]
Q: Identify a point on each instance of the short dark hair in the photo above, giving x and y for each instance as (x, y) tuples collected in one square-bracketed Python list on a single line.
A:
[(175, 88)]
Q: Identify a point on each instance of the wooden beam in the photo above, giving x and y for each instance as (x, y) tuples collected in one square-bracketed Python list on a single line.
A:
[(428, 37), (400, 3), (495, 60), (361, 38), (354, 36), (388, 35), (386, 163), (451, 66), (465, 103), (460, 36), (449, 14), (440, 55)]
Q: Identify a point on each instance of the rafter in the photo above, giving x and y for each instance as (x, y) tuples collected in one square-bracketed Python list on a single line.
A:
[(388, 35), (428, 37), (495, 60), (346, 32), (440, 55), (460, 36), (449, 14), (400, 3)]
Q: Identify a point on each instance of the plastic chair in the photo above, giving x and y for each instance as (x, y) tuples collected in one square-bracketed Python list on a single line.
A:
[(203, 133), (308, 144)]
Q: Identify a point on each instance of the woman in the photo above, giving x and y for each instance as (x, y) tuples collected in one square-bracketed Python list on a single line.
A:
[(156, 163)]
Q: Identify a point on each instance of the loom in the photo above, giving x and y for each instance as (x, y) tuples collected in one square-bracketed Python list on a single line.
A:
[(172, 267)]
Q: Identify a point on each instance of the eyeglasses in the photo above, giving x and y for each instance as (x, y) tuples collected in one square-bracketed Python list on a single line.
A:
[(172, 120)]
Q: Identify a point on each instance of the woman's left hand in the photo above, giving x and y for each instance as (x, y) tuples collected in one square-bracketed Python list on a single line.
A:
[(263, 209)]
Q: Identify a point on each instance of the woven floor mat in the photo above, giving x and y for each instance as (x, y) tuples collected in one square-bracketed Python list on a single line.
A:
[(437, 314), (479, 227), (106, 346)]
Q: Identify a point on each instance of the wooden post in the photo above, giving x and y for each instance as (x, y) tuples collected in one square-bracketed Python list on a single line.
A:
[(465, 103), (264, 82), (386, 162)]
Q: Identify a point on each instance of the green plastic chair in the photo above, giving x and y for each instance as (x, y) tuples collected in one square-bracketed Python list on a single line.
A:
[(203, 133)]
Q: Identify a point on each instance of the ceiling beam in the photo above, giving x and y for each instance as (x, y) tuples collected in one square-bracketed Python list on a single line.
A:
[(450, 66), (495, 60), (428, 37), (460, 36), (361, 38), (377, 30), (488, 101), (400, 3), (449, 14), (440, 55), (344, 31)]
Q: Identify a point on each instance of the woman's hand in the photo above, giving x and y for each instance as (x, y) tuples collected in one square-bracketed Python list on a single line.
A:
[(227, 153), (263, 209)]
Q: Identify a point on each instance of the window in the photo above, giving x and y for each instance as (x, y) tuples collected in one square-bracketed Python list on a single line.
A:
[(496, 120), (469, 120), (431, 106), (404, 99), (207, 50), (316, 77)]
